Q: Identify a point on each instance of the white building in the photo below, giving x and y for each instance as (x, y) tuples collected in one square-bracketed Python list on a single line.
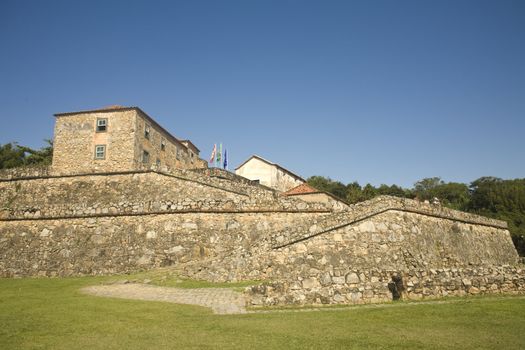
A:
[(268, 174)]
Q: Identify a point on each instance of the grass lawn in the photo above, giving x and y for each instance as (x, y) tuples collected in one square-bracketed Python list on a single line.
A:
[(166, 277), (52, 314)]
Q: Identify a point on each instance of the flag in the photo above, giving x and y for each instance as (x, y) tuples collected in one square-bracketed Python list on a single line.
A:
[(218, 164), (225, 164), (212, 158)]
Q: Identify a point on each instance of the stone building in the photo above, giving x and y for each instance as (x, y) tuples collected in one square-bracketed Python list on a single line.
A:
[(269, 174), (117, 138)]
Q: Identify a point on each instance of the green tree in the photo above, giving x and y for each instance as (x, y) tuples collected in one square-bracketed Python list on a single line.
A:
[(454, 195), (394, 190), (328, 185), (423, 188), (43, 156), (369, 192), (353, 193), (504, 200), (12, 155)]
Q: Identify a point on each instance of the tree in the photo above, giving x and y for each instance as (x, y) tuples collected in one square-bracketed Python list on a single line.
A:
[(423, 188), (353, 193), (12, 155), (393, 190), (43, 156), (369, 192), (503, 200), (328, 185), (454, 195)]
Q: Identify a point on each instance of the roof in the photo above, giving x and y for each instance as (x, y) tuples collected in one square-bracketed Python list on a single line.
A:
[(191, 143), (305, 188), (112, 108), (272, 164), (301, 189), (118, 108)]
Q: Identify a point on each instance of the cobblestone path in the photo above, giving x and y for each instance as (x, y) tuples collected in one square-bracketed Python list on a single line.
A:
[(220, 300)]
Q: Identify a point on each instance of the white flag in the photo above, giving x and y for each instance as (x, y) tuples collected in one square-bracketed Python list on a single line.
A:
[(212, 158)]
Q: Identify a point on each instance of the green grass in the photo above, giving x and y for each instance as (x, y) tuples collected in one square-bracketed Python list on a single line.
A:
[(52, 314), (168, 278)]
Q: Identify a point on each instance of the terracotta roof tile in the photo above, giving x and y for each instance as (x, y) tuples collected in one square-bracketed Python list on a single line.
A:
[(301, 189)]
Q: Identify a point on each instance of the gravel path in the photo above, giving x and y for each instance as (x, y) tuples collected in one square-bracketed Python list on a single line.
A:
[(220, 300)]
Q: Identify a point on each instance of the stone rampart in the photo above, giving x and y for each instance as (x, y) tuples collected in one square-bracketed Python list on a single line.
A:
[(134, 193), (119, 222), (27, 172), (213, 226), (373, 207), (225, 174), (378, 246), (376, 286), (118, 244)]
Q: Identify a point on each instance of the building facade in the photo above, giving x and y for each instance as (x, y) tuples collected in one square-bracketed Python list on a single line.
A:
[(117, 139), (269, 174)]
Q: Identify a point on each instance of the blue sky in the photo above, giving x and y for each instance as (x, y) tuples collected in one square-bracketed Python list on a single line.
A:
[(369, 91)]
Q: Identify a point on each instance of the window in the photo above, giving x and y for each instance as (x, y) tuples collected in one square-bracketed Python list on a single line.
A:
[(102, 124), (158, 162), (162, 145), (177, 152), (100, 152), (191, 156), (146, 131), (145, 157)]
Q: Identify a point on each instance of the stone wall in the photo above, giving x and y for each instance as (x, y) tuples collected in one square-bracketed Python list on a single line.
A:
[(118, 244), (27, 172), (356, 263), (119, 222), (212, 225), (225, 174), (376, 286), (352, 257), (322, 197), (365, 210), (136, 193)]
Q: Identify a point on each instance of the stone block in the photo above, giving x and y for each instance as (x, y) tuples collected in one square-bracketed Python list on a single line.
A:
[(352, 278), (338, 280), (310, 283)]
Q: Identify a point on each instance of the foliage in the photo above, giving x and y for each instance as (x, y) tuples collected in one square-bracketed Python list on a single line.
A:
[(51, 313), (12, 155), (328, 185), (504, 200), (423, 187)]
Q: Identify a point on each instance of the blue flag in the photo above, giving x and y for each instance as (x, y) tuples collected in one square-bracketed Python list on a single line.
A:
[(225, 165)]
